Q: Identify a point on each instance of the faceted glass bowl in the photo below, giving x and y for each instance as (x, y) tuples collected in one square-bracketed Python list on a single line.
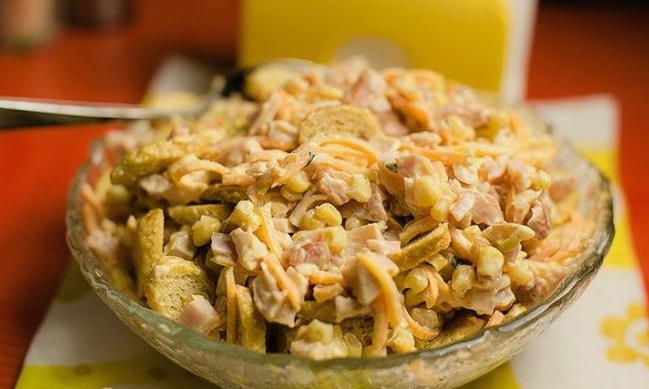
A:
[(233, 366)]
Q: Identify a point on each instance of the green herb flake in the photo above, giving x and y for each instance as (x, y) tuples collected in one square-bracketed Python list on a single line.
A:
[(392, 166)]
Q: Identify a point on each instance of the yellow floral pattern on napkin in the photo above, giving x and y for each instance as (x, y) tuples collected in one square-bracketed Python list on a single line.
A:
[(629, 335)]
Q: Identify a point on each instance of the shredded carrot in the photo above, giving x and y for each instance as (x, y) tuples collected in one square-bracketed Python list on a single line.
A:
[(266, 232), (417, 330), (445, 155), (346, 155), (355, 144), (411, 109), (267, 155), (237, 180), (481, 150), (294, 162), (278, 272), (380, 326), (322, 277), (177, 172), (307, 202), (387, 286), (340, 165), (323, 293)]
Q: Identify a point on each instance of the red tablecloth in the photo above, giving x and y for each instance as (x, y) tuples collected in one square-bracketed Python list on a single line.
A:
[(574, 52)]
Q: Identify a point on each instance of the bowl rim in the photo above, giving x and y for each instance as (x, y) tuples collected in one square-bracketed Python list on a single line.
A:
[(93, 272)]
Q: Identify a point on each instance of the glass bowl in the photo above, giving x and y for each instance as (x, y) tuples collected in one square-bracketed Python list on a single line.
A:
[(233, 366)]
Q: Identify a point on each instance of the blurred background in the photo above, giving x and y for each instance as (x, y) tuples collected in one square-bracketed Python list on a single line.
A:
[(130, 51), (108, 50)]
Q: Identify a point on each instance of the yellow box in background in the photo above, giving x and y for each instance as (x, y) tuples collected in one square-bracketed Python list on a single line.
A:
[(478, 42)]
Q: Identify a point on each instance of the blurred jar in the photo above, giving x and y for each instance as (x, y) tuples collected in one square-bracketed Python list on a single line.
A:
[(95, 13), (26, 23)]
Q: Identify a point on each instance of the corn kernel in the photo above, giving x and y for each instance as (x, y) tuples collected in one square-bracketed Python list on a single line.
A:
[(353, 222), (520, 273), (401, 340), (310, 222), (514, 311), (245, 217), (507, 237), (336, 238), (490, 262), (425, 192), (328, 214), (472, 233), (426, 317), (496, 122), (542, 180), (499, 120), (330, 92), (359, 188), (278, 208), (298, 182), (459, 129), (416, 280), (439, 211), (413, 299), (462, 280), (289, 194), (203, 229), (440, 99), (317, 331)]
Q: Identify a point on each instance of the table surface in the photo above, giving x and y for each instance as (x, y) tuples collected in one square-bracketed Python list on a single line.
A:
[(575, 52)]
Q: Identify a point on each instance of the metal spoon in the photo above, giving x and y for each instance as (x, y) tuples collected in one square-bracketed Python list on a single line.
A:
[(26, 112)]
